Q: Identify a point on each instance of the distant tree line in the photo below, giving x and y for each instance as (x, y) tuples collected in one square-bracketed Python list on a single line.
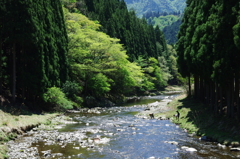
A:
[(208, 50), (158, 14)]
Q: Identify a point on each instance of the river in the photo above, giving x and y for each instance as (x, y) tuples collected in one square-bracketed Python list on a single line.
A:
[(116, 133)]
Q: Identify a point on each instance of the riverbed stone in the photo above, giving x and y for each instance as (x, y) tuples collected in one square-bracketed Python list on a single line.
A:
[(23, 149), (189, 149), (235, 149), (221, 146), (172, 142)]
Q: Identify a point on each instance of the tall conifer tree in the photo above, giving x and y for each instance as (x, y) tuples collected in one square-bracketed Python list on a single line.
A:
[(36, 40)]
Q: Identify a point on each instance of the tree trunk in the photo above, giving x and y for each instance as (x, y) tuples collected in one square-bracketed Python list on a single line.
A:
[(237, 94), (1, 68), (233, 98), (220, 101), (216, 99), (14, 73), (189, 86), (196, 86), (212, 95), (229, 98), (207, 94), (201, 94)]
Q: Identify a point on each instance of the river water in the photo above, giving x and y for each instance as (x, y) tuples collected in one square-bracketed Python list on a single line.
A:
[(116, 133)]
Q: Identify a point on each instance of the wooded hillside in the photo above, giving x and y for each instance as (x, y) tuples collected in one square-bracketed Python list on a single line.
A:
[(166, 14)]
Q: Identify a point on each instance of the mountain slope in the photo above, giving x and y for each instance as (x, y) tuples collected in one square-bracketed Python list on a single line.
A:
[(144, 6)]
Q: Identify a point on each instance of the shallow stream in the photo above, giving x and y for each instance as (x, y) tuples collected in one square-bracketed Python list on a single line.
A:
[(116, 133)]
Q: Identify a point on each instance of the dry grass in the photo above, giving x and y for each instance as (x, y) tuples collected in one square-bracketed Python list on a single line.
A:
[(14, 121)]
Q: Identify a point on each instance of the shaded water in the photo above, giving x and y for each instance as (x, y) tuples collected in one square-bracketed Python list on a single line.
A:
[(122, 135)]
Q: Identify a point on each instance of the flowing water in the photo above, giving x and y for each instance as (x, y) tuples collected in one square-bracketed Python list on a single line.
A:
[(118, 134)]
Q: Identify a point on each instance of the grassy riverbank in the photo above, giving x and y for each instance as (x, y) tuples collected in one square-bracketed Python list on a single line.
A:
[(11, 125), (198, 118)]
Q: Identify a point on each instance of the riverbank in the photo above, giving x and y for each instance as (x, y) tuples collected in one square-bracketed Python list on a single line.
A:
[(13, 125), (196, 119), (28, 145)]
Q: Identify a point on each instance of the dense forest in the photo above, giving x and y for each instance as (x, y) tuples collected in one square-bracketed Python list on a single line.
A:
[(208, 50), (65, 54)]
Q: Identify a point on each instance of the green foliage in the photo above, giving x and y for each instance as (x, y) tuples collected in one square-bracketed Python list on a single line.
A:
[(172, 64), (147, 85), (236, 32), (98, 63), (165, 69), (157, 74), (153, 75), (70, 4), (56, 98), (99, 84), (163, 21), (72, 90)]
